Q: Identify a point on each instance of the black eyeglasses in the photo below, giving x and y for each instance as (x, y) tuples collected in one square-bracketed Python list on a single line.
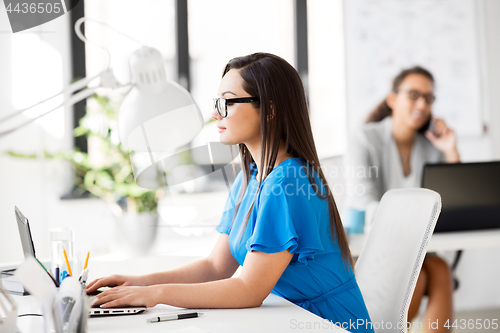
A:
[(415, 95), (220, 104)]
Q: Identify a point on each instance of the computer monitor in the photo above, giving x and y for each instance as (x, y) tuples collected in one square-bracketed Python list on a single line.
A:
[(470, 194)]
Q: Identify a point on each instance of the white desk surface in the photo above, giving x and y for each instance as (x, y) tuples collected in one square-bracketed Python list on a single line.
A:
[(449, 241), (275, 315)]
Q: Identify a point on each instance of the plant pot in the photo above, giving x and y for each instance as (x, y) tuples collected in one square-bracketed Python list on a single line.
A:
[(136, 232)]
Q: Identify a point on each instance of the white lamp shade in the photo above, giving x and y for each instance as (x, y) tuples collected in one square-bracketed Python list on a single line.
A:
[(162, 122), (156, 115)]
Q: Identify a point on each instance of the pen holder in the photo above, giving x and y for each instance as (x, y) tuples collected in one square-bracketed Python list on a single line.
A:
[(71, 307), (69, 300), (65, 309)]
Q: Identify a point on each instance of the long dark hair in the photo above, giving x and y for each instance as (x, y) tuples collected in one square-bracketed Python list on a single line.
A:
[(284, 117), (383, 110)]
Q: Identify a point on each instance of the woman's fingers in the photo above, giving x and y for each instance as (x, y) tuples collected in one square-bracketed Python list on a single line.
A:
[(94, 285), (439, 127), (430, 136), (106, 296), (120, 296), (91, 284), (115, 303), (109, 281)]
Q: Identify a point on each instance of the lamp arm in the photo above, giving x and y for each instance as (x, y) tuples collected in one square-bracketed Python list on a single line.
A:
[(108, 80), (67, 90), (84, 39), (70, 101)]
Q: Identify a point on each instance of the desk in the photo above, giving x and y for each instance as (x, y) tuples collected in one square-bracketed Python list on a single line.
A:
[(446, 241), (275, 315)]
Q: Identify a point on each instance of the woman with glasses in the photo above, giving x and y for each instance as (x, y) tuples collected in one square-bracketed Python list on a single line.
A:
[(280, 222), (399, 138)]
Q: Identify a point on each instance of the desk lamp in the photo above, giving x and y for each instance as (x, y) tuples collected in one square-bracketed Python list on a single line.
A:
[(156, 114)]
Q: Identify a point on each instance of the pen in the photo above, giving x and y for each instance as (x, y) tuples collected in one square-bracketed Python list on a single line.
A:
[(67, 263), (86, 261), (174, 317), (57, 275), (83, 276)]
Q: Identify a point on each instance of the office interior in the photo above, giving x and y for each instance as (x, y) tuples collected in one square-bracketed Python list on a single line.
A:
[(196, 38)]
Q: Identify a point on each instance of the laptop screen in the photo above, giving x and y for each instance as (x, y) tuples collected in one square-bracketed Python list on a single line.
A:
[(470, 194), (25, 234)]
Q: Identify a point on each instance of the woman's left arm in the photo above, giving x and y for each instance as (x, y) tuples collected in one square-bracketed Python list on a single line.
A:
[(258, 277), (444, 140)]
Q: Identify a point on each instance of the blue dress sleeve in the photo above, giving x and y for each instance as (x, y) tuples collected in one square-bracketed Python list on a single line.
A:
[(286, 222), (224, 226)]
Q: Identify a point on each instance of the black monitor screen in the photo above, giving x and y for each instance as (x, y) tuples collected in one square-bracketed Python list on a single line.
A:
[(470, 194)]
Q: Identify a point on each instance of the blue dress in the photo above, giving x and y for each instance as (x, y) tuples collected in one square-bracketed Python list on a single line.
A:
[(287, 214)]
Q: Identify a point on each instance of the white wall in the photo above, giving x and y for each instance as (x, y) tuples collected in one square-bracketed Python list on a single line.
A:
[(492, 36), (479, 270)]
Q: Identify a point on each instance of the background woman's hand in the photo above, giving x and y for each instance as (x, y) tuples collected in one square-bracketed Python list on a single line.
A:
[(113, 281), (444, 139)]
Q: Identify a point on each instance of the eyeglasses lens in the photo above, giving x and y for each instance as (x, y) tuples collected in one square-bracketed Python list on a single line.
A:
[(415, 95), (220, 106)]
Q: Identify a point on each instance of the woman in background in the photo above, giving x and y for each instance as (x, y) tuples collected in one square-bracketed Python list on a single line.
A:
[(399, 138), (280, 222)]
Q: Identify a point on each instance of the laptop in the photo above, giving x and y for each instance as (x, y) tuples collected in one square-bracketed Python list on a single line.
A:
[(29, 251), (98, 312), (25, 234), (470, 194)]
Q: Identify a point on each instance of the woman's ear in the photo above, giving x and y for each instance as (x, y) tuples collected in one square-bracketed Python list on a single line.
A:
[(271, 109), (391, 99)]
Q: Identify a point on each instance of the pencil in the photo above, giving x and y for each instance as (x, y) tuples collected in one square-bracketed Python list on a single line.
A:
[(86, 261), (67, 263), (46, 271)]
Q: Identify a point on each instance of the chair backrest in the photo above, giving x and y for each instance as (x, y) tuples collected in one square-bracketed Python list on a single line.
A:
[(390, 261)]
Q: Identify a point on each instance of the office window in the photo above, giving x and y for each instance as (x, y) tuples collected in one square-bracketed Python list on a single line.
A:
[(152, 22), (327, 76), (220, 30)]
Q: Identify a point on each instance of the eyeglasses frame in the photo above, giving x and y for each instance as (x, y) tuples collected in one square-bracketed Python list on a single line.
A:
[(218, 107), (428, 98)]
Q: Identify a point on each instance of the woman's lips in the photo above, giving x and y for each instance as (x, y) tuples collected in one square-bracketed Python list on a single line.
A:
[(220, 129)]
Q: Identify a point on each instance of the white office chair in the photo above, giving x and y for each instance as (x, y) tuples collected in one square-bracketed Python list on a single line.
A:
[(390, 261)]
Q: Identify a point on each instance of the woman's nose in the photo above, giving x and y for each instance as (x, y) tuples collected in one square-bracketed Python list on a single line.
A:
[(421, 103), (215, 115)]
